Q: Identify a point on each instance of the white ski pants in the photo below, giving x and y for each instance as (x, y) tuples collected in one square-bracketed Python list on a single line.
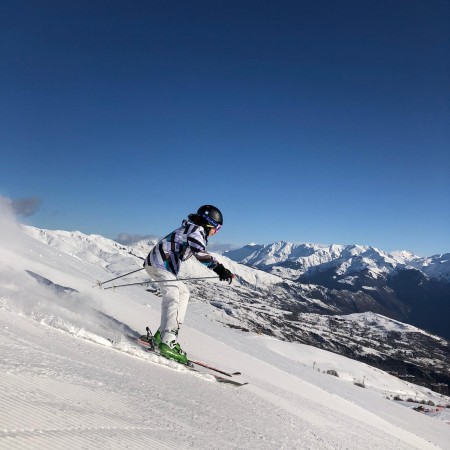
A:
[(175, 298)]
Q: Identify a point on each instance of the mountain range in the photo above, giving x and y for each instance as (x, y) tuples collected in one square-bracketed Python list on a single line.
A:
[(401, 285)]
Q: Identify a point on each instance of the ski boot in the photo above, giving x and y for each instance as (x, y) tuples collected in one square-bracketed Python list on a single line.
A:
[(151, 341), (156, 339), (170, 348)]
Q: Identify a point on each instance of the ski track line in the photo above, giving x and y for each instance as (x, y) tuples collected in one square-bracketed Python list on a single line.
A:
[(66, 424), (41, 388), (87, 438), (122, 347), (66, 393), (39, 357)]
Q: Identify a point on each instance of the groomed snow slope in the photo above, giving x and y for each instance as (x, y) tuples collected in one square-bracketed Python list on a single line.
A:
[(70, 378)]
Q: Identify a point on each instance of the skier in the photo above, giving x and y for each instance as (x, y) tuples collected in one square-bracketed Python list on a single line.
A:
[(163, 263)]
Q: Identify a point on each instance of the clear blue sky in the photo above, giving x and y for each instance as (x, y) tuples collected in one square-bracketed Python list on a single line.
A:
[(303, 121)]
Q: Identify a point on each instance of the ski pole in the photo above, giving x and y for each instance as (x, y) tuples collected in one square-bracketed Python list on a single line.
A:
[(99, 283), (159, 281)]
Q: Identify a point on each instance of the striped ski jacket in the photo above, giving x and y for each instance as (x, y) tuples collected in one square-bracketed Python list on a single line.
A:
[(186, 241)]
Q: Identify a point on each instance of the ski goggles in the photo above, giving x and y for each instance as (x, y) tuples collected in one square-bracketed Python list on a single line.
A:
[(212, 223)]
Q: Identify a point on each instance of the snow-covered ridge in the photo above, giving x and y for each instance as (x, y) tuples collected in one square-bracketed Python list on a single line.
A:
[(295, 259), (91, 248), (108, 253), (385, 323)]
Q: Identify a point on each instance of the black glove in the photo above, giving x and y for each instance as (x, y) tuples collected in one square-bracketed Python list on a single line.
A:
[(224, 274)]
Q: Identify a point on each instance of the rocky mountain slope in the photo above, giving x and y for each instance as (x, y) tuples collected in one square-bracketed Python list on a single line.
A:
[(400, 285)]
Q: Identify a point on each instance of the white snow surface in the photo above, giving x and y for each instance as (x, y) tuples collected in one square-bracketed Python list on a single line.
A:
[(72, 378)]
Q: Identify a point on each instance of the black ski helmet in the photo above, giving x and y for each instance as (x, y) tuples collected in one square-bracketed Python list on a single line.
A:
[(211, 214)]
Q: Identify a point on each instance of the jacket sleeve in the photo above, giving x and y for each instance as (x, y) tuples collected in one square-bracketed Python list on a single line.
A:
[(197, 244)]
